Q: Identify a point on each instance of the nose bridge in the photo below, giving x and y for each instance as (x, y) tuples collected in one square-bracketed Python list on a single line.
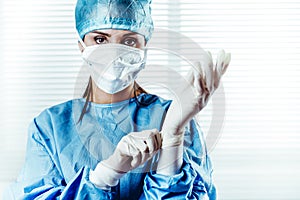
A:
[(115, 38)]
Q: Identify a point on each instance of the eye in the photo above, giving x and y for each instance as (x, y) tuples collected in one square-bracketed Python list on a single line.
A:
[(100, 39), (129, 42)]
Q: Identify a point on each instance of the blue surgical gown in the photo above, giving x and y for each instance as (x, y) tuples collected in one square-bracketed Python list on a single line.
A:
[(62, 150)]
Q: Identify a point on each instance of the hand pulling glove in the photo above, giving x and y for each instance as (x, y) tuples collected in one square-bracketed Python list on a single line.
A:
[(132, 151)]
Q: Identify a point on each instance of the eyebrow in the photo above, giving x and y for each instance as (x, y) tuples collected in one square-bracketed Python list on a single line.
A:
[(99, 32), (128, 34), (109, 35)]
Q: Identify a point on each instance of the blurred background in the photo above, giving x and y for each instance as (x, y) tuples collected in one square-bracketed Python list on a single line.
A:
[(256, 155)]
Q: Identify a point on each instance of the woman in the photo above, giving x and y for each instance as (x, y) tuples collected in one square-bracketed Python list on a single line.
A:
[(107, 144)]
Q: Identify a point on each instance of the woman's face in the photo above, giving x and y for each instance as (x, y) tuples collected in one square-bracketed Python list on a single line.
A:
[(106, 36)]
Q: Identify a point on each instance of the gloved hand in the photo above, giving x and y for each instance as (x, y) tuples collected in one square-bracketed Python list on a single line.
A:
[(132, 151), (190, 98), (193, 95)]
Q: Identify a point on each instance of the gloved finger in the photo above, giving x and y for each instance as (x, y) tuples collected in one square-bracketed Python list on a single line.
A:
[(220, 61), (223, 61), (211, 59), (121, 160), (136, 157), (200, 83), (204, 74), (153, 143), (198, 78), (208, 69), (218, 68), (144, 153), (227, 60), (127, 147), (158, 138), (139, 148), (190, 76), (210, 55), (143, 140), (132, 144), (140, 145)]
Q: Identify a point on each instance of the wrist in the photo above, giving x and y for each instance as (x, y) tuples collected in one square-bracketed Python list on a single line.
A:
[(172, 138), (105, 177), (170, 160)]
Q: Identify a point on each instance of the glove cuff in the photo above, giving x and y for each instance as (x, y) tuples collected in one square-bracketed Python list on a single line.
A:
[(105, 177), (172, 140), (170, 160)]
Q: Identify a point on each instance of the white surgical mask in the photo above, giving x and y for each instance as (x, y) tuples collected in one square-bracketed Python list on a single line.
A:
[(113, 67)]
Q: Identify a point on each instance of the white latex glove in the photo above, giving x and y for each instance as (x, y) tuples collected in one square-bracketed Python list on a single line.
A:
[(132, 151), (190, 98), (193, 95)]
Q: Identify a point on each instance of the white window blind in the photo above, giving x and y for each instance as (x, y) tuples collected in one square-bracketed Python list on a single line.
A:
[(257, 154)]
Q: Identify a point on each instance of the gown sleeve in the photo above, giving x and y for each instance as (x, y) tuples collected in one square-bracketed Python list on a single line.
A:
[(194, 181), (40, 178)]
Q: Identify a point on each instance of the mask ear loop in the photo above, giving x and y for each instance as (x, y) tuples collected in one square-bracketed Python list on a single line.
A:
[(81, 41)]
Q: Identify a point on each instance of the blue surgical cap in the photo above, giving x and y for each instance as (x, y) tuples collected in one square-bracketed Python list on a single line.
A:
[(132, 15)]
